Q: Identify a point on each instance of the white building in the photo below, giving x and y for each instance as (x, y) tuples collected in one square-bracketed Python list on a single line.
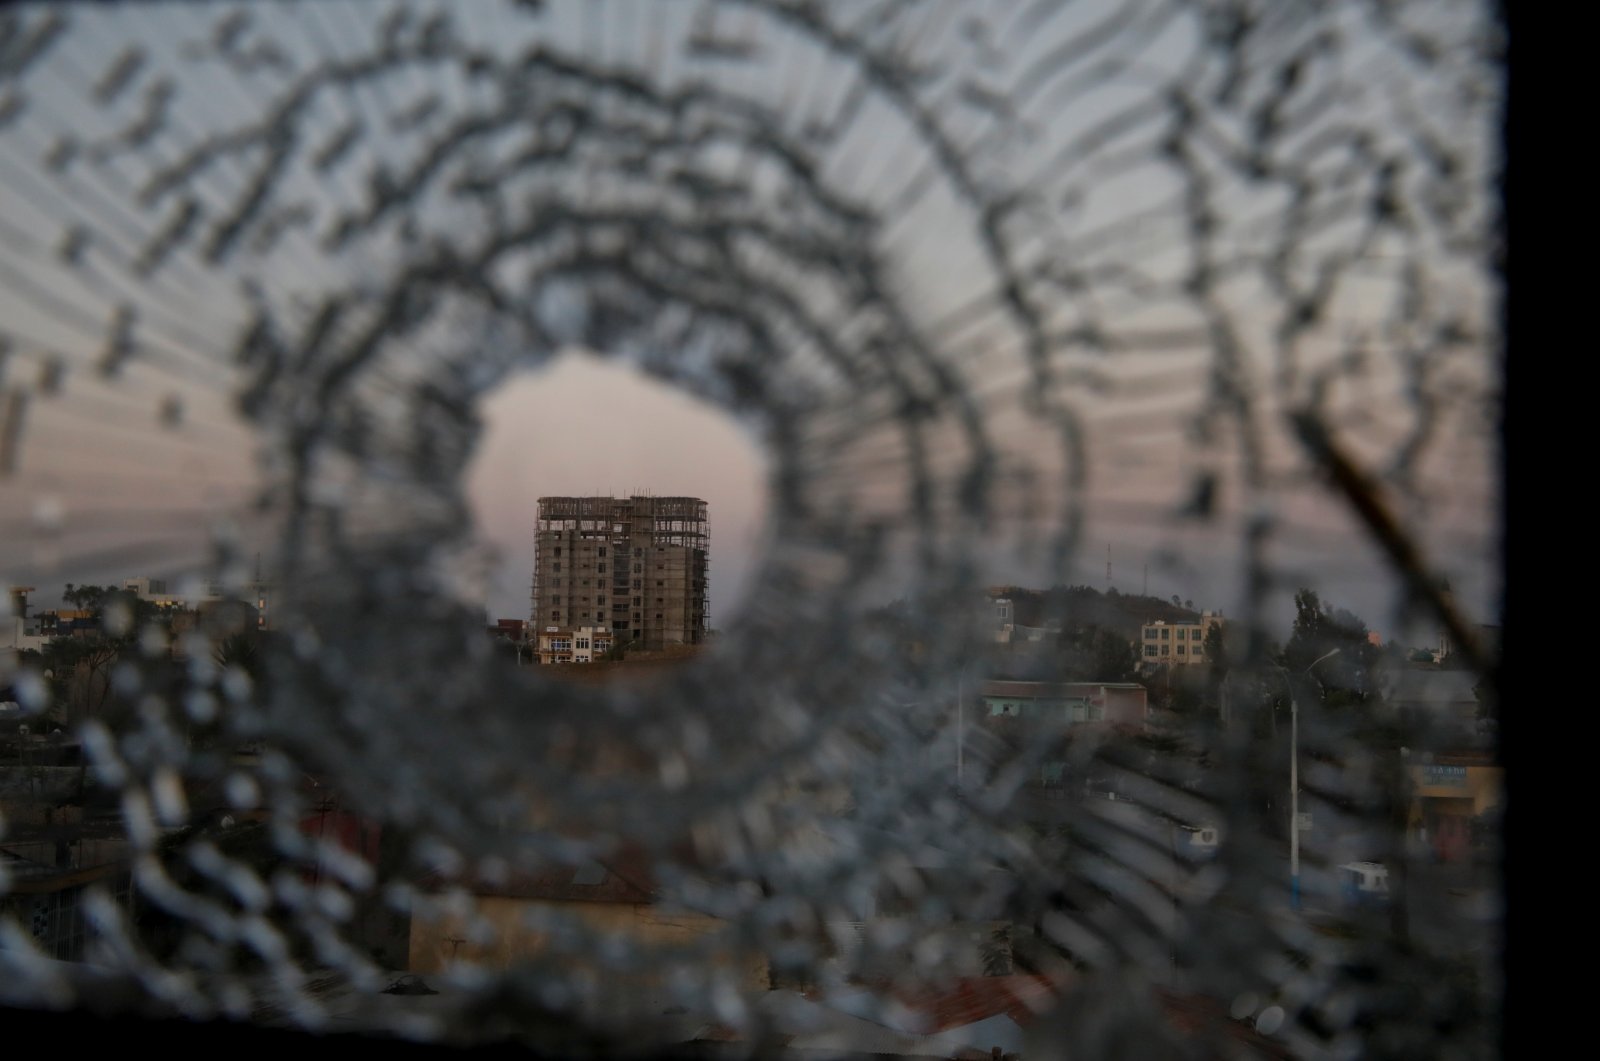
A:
[(1001, 618), (584, 644), (257, 593), (21, 635)]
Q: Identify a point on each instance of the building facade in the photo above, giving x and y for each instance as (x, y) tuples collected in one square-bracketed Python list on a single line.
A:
[(1450, 792), (582, 645), (636, 568), (1163, 642), (1067, 703)]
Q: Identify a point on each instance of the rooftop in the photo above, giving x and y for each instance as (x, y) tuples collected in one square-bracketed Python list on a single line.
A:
[(1038, 689)]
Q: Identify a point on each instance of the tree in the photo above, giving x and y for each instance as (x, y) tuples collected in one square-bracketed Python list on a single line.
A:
[(1095, 654), (79, 666), (1216, 650), (239, 650), (87, 598), (78, 671), (1319, 630)]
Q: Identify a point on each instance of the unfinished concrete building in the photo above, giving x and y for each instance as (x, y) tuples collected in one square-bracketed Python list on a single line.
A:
[(635, 565)]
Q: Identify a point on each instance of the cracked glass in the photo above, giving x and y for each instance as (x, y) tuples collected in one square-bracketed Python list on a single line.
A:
[(1066, 436)]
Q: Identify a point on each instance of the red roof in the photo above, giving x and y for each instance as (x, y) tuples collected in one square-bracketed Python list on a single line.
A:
[(1200, 1014), (970, 999), (1024, 998)]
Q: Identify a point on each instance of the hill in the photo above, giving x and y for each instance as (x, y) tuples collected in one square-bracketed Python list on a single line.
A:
[(1080, 606)]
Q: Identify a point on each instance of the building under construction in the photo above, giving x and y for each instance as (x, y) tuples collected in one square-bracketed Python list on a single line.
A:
[(635, 565)]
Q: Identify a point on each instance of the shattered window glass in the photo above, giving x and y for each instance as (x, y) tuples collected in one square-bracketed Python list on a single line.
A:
[(1016, 343)]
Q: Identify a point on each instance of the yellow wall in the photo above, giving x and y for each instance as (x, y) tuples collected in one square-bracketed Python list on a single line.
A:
[(651, 927), (1482, 786)]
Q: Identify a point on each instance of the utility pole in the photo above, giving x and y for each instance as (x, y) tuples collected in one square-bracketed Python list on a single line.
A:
[(961, 726), (1294, 782), (1399, 820)]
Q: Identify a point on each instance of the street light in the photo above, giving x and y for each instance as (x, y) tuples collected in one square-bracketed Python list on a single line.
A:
[(961, 726), (1294, 780)]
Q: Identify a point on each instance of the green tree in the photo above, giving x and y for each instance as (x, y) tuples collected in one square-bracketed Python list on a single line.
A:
[(239, 650), (78, 672), (1216, 650), (1318, 630), (87, 598), (1095, 654)]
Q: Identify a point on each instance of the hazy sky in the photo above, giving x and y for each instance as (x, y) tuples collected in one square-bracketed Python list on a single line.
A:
[(585, 426), (107, 485), (589, 426)]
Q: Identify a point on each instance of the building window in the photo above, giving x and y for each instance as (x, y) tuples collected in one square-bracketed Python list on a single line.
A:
[(602, 552), (1149, 650), (1149, 634), (556, 567), (1166, 635), (556, 599), (638, 601), (557, 552), (638, 552), (1181, 650), (602, 568)]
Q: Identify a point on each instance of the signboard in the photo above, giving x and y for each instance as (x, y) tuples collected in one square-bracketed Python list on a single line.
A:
[(1448, 776), (1302, 821)]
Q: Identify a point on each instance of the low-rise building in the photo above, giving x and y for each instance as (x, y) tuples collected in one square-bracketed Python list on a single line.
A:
[(1435, 696), (510, 630), (1002, 617), (585, 644), (615, 901), (1451, 791), (207, 594), (1070, 703), (1178, 642)]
